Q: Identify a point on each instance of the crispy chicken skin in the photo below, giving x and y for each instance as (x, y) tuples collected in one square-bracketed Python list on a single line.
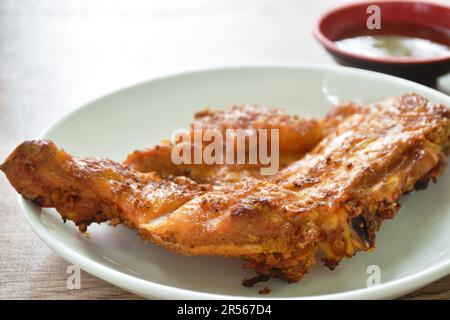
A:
[(340, 192), (246, 220), (354, 178), (296, 137), (87, 190), (330, 203)]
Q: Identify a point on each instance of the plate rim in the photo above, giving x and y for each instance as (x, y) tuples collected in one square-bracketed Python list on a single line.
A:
[(146, 288)]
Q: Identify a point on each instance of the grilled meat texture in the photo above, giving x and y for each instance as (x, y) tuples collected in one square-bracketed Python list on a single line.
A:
[(296, 137), (330, 203)]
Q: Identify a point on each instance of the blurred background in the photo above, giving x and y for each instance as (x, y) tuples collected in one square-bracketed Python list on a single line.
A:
[(56, 55)]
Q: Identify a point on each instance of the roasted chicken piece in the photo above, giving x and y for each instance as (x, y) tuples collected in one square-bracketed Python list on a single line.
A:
[(245, 220), (354, 178), (330, 203), (340, 192), (296, 137), (87, 190)]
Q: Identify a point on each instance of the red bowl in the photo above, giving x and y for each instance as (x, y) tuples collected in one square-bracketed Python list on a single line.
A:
[(407, 18)]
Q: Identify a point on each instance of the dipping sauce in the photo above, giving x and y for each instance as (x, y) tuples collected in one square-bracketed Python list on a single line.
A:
[(393, 46)]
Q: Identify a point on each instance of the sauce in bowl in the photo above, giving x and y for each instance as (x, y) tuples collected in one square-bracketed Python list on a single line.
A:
[(393, 46)]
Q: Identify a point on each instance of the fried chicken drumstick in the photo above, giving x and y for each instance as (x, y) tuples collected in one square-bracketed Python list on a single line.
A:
[(329, 203)]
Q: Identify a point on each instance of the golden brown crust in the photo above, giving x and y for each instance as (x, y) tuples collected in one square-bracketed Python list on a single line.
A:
[(329, 203), (88, 190), (296, 137), (362, 168)]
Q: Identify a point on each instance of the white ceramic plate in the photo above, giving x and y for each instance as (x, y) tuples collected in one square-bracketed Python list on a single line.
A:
[(413, 249)]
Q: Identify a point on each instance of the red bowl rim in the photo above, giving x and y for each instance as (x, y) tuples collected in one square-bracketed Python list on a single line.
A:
[(330, 45)]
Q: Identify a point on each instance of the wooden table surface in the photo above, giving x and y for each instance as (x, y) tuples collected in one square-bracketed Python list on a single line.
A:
[(55, 55)]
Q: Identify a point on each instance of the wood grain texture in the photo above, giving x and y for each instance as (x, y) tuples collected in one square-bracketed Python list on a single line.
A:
[(56, 55)]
